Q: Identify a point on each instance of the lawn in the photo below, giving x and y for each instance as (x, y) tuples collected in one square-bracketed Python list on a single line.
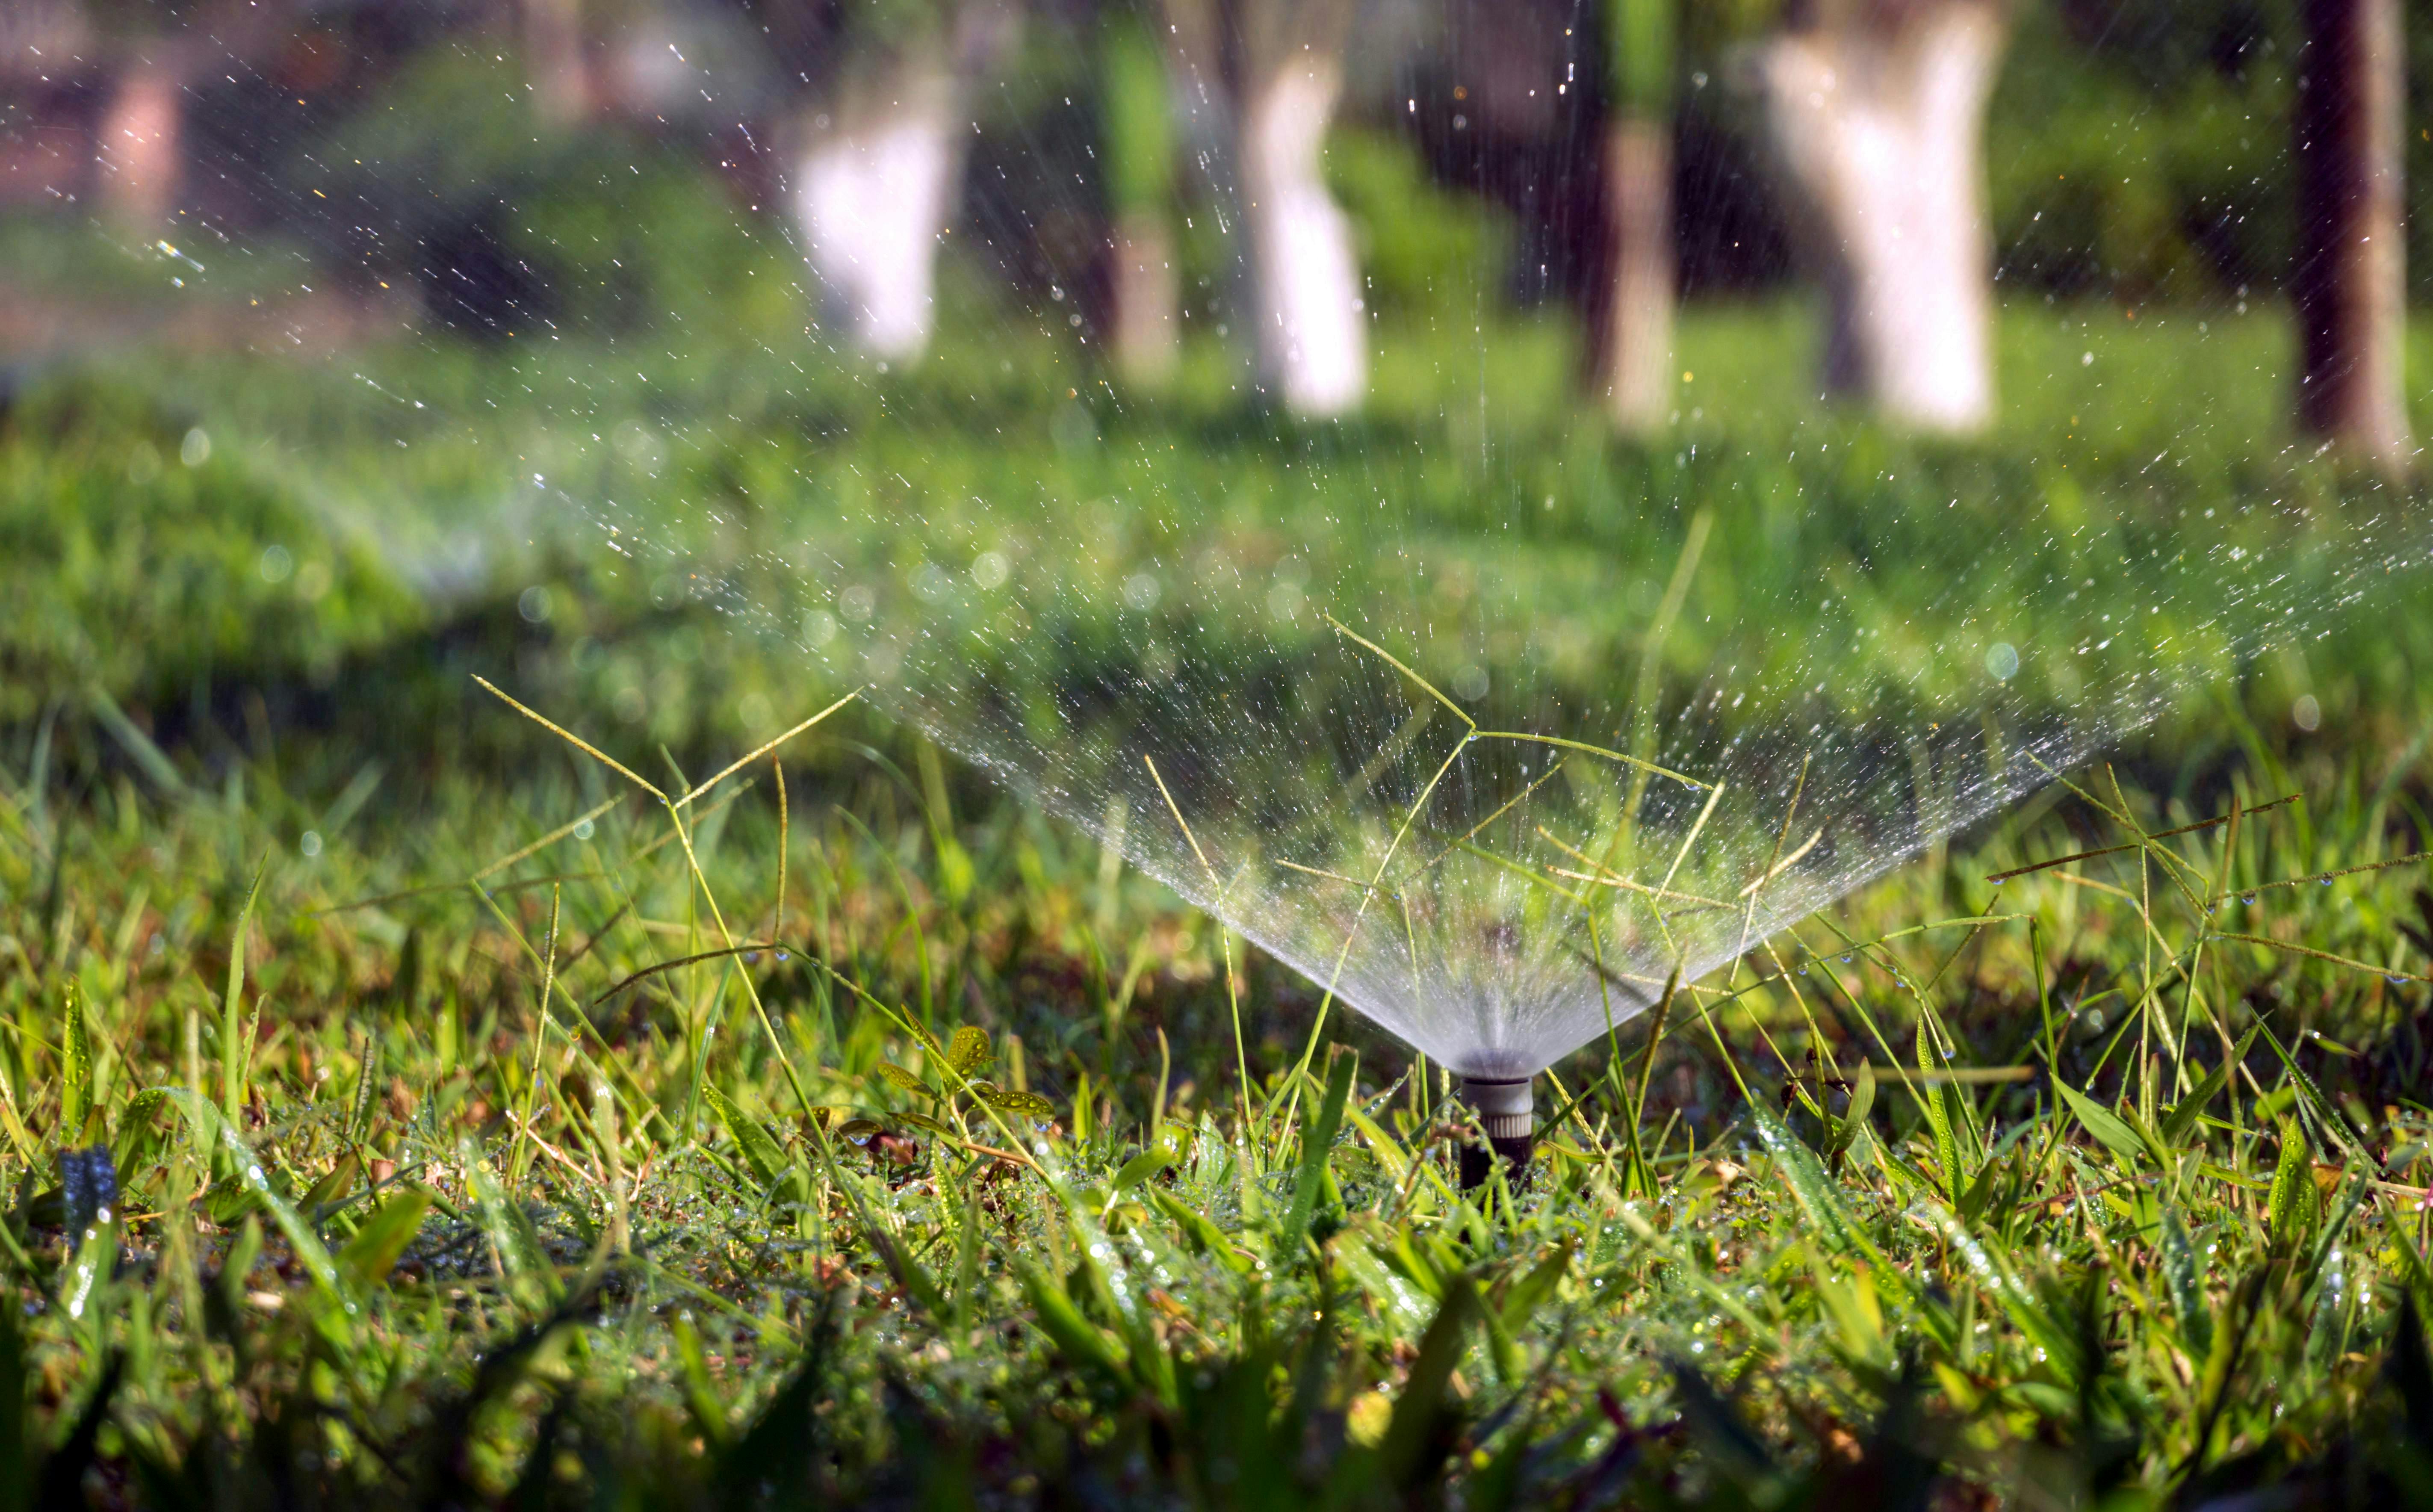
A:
[(480, 1125)]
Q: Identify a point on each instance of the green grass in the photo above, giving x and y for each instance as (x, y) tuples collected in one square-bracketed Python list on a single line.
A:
[(649, 1223), (404, 531), (653, 1274)]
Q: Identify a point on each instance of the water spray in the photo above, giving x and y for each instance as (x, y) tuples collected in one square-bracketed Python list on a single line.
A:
[(1329, 701), (1508, 1114)]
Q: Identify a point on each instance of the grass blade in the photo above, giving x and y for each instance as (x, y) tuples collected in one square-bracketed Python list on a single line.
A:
[(75, 1065), (1318, 1141), (234, 1053)]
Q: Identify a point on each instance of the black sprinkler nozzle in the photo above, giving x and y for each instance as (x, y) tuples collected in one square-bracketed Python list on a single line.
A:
[(1509, 1119)]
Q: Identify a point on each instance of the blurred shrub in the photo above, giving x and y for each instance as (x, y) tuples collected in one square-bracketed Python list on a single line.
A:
[(2140, 148), (141, 559), (1424, 251), (450, 181)]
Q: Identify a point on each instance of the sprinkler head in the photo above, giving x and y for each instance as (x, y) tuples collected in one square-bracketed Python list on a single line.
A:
[(1506, 1111)]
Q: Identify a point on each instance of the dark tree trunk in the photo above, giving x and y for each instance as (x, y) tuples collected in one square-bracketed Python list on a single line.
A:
[(2349, 283)]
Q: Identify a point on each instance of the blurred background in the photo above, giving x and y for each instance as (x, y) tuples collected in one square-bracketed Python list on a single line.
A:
[(323, 324)]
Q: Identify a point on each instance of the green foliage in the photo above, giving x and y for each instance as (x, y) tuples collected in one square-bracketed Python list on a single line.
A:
[(1135, 118), (1426, 253), (134, 572), (157, 597), (1641, 65), (615, 231)]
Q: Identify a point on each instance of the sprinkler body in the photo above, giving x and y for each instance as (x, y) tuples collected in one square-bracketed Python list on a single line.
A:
[(1506, 1111)]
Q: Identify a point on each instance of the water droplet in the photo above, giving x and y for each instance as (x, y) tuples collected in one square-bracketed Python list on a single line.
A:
[(2249, 900), (2395, 980), (2327, 881), (1845, 960), (785, 955)]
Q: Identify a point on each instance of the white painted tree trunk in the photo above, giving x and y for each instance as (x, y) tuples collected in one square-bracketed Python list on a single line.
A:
[(142, 146), (1879, 122), (1143, 291), (557, 61), (1310, 335), (874, 184), (1631, 351)]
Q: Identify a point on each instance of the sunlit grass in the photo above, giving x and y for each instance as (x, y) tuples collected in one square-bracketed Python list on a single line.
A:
[(656, 1269)]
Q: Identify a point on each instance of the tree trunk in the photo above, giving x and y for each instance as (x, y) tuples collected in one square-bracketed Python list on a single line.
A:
[(555, 61), (2349, 282), (1142, 288), (1631, 340), (142, 146), (1309, 327), (873, 187), (1877, 113), (1136, 158)]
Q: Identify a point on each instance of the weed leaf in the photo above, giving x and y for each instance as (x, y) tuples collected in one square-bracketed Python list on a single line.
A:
[(211, 1131), (761, 1151), (1817, 1194), (371, 1254), (2293, 1203), (1417, 1411), (2110, 1129), (1202, 1229), (2059, 1342), (1142, 1166), (968, 1051), (1005, 1099)]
